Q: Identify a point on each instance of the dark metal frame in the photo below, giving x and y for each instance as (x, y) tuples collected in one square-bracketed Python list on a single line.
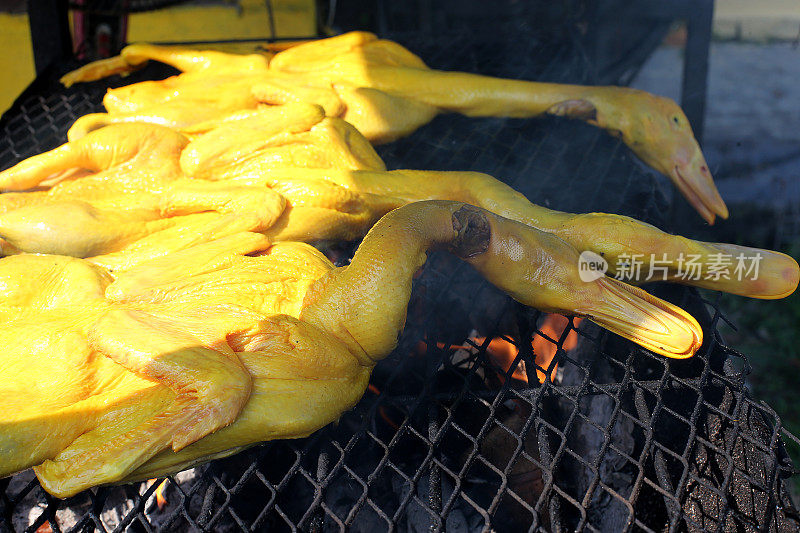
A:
[(50, 34), (698, 16)]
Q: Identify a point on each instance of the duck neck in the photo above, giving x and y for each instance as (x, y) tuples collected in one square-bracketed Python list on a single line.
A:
[(364, 304)]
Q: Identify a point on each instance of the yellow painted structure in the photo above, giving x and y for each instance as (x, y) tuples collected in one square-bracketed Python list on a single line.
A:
[(16, 59), (245, 19)]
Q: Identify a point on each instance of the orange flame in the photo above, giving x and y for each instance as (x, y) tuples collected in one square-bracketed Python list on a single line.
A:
[(504, 353), (381, 411), (161, 500), (553, 327)]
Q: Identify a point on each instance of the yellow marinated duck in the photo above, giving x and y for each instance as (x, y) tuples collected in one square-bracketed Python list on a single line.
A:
[(113, 190), (123, 191), (332, 204), (387, 92), (295, 135), (206, 351), (127, 225)]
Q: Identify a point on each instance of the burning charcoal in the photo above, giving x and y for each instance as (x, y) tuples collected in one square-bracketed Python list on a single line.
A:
[(599, 460), (504, 447), (421, 518)]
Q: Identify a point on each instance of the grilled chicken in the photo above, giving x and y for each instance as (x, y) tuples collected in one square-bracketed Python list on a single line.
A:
[(387, 92), (203, 352), (141, 205)]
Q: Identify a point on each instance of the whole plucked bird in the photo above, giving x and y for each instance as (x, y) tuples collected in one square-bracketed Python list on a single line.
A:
[(121, 193), (387, 92), (203, 352), (294, 175)]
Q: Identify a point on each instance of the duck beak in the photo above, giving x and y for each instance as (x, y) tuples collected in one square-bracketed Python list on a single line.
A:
[(540, 270), (694, 181), (646, 320), (752, 272)]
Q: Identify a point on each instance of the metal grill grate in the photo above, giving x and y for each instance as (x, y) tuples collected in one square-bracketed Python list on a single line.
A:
[(447, 438)]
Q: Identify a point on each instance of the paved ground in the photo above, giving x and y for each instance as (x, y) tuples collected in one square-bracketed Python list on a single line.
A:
[(760, 20)]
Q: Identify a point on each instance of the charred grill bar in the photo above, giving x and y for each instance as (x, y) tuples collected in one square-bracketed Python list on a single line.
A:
[(449, 434)]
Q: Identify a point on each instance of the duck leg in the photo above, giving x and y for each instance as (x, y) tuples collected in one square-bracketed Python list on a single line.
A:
[(135, 56), (76, 228), (300, 138), (150, 281), (303, 379), (185, 211), (132, 146), (182, 233), (178, 115), (194, 196)]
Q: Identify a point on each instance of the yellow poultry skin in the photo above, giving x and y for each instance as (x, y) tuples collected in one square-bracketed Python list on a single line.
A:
[(121, 194), (331, 204), (118, 219), (387, 92), (203, 352)]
